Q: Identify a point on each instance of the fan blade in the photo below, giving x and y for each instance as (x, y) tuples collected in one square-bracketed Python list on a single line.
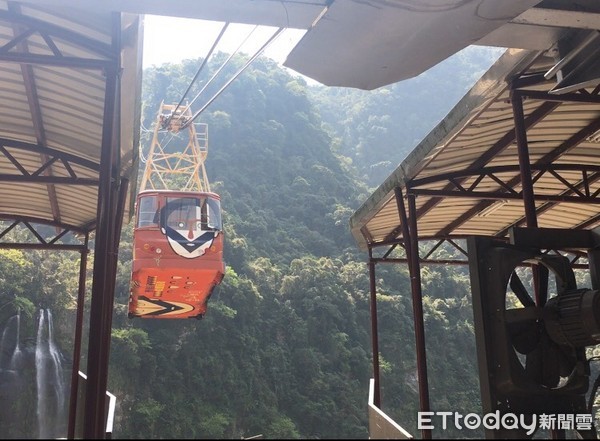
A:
[(523, 326), (533, 365), (567, 360), (542, 275), (524, 337), (542, 364), (550, 362), (520, 291)]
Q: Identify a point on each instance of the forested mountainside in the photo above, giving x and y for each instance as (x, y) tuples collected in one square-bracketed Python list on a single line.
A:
[(284, 349), (378, 128)]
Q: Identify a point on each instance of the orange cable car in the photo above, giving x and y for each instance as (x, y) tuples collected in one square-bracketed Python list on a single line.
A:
[(177, 253)]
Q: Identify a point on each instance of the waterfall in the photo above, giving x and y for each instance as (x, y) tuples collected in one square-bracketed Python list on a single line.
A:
[(11, 382), (42, 386), (59, 381), (33, 391), (49, 380), (17, 355), (5, 344)]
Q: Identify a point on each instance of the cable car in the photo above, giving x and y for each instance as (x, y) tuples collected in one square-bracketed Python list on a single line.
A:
[(177, 253)]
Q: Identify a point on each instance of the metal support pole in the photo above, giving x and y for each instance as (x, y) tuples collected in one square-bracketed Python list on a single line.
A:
[(104, 258), (411, 243), (528, 199), (526, 180), (102, 295), (374, 331), (524, 163), (77, 343)]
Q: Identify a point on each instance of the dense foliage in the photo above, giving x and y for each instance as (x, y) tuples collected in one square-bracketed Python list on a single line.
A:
[(284, 350)]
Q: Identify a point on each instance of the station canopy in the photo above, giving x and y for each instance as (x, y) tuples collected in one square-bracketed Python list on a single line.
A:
[(55, 108)]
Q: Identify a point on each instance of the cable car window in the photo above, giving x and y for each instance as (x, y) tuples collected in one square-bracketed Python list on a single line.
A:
[(213, 208), (192, 214), (147, 208), (181, 213)]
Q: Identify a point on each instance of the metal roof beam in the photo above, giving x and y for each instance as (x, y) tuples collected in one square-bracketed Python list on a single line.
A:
[(48, 180), (66, 158), (40, 242), (52, 60), (541, 166), (492, 195), (35, 110), (584, 184), (498, 147), (48, 30), (551, 156), (17, 219), (558, 18), (563, 98)]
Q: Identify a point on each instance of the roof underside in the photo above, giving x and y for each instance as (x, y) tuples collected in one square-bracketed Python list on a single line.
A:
[(371, 43), (465, 174), (53, 65), (300, 14)]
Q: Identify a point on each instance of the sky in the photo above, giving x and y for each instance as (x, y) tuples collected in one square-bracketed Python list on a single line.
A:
[(172, 39)]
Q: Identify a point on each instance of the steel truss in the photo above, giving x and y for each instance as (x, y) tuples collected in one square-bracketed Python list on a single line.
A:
[(63, 238), (54, 162)]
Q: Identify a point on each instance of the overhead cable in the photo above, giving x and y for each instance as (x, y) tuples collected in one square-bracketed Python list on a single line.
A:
[(221, 67), (223, 29), (238, 73)]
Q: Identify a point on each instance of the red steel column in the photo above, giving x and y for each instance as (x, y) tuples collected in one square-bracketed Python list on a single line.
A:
[(77, 343), (411, 243), (374, 331)]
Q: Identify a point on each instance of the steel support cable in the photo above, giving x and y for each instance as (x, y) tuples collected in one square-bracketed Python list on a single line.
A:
[(204, 61), (221, 68), (238, 73)]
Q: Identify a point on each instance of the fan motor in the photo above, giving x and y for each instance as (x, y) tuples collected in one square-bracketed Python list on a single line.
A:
[(573, 318)]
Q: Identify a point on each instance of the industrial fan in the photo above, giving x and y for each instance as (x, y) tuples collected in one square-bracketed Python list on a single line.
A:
[(551, 336), (531, 347)]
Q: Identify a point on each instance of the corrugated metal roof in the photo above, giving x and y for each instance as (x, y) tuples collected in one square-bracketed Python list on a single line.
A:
[(52, 108), (465, 173)]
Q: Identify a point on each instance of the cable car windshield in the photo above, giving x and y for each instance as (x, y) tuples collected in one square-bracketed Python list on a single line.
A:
[(180, 213), (191, 213)]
